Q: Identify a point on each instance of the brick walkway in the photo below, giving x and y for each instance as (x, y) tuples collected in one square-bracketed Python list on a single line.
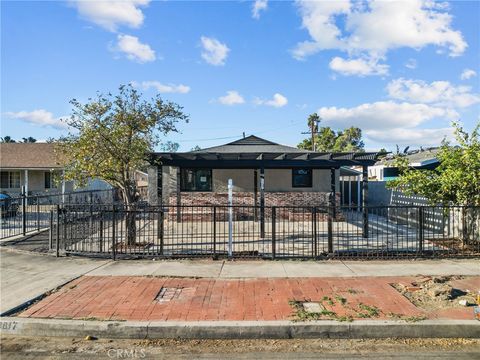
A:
[(187, 299)]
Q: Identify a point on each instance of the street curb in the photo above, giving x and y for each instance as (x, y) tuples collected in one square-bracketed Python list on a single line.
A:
[(239, 329)]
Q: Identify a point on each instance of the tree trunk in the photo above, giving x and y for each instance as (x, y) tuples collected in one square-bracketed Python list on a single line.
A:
[(130, 217)]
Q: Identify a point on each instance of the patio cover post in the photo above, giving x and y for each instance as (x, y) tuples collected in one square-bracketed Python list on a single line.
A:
[(364, 200), (154, 191), (262, 202), (333, 191), (359, 194), (349, 191)]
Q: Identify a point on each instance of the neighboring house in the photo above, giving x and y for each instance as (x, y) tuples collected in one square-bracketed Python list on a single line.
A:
[(263, 173), (34, 166), (423, 159)]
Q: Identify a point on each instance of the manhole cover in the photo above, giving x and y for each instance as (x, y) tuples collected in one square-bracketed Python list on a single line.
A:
[(167, 294)]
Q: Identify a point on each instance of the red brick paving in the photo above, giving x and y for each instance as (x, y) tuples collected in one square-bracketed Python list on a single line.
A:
[(133, 298)]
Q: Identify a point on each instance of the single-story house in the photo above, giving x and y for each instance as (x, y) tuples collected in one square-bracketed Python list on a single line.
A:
[(39, 170), (33, 166), (263, 172), (422, 159)]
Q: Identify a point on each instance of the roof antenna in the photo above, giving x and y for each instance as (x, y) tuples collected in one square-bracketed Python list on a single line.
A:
[(244, 134)]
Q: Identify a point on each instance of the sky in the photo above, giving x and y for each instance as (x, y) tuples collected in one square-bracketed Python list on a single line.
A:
[(402, 71)]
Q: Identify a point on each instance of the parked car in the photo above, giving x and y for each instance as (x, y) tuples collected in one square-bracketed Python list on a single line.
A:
[(8, 206)]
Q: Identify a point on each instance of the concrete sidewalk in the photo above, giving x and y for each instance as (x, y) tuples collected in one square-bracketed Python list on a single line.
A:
[(289, 269), (25, 276)]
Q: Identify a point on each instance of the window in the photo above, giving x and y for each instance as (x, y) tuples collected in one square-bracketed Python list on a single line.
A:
[(196, 179), (48, 180), (301, 177), (10, 179)]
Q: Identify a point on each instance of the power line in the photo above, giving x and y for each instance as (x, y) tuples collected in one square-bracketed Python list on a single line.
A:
[(239, 136)]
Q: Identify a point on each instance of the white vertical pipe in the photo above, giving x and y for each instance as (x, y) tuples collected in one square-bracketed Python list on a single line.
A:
[(63, 186), (25, 181)]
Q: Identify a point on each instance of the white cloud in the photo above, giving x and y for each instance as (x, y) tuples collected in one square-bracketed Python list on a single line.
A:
[(360, 67), (257, 7), (384, 115), (110, 14), (162, 88), (134, 49), (38, 117), (411, 64), (232, 98), (214, 52), (372, 29), (439, 93), (411, 137), (468, 74), (277, 101)]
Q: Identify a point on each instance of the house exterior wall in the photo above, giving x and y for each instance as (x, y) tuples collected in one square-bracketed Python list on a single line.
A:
[(278, 188), (36, 183), (276, 180)]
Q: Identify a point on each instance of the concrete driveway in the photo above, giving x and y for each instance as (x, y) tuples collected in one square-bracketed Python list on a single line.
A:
[(25, 276)]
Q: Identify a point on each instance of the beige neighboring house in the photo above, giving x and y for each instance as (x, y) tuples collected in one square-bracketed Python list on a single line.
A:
[(32, 165)]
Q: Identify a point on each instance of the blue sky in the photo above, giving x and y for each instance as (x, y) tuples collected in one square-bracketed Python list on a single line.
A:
[(400, 70)]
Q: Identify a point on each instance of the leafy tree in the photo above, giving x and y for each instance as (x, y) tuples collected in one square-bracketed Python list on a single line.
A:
[(327, 139), (196, 148), (455, 181), (112, 137), (7, 139), (170, 146), (29, 140)]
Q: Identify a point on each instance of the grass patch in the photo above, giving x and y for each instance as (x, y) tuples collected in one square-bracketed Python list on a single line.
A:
[(410, 319), (369, 311), (341, 299)]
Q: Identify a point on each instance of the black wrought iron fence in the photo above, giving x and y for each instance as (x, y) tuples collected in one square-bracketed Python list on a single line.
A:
[(26, 214), (272, 232)]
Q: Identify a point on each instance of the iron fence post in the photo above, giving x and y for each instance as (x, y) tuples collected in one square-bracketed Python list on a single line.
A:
[(421, 223), (38, 214), (214, 230), (57, 242), (160, 229), (114, 240), (330, 232), (24, 211), (274, 215), (314, 232), (230, 218), (100, 245), (50, 233)]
